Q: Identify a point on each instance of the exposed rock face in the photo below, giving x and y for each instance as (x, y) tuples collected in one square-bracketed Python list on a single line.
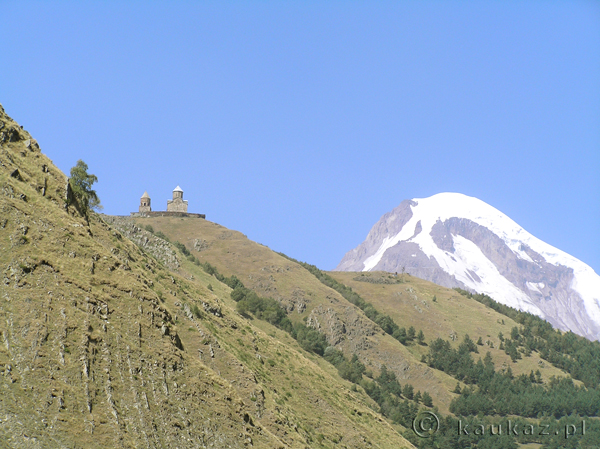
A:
[(149, 242), (390, 224), (459, 241)]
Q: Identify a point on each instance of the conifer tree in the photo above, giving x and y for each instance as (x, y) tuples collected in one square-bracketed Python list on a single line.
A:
[(427, 401), (421, 337), (417, 397), (408, 391)]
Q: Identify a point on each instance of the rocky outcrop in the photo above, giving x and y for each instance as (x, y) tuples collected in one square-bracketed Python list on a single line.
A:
[(159, 248), (390, 224)]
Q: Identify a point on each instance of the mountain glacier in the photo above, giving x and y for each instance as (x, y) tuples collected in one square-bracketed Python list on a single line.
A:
[(459, 241)]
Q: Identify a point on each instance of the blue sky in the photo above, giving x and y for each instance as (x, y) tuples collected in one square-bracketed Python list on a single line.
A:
[(301, 123)]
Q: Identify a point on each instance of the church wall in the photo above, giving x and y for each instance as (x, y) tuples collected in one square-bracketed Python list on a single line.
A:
[(177, 205)]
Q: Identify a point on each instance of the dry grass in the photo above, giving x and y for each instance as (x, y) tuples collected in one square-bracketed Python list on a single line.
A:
[(99, 348), (104, 346), (305, 297), (411, 303)]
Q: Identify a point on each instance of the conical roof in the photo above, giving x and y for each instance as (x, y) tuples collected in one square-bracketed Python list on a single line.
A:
[(177, 189), (145, 195)]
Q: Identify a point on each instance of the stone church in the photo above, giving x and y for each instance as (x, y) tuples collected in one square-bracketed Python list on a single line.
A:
[(175, 207), (177, 204)]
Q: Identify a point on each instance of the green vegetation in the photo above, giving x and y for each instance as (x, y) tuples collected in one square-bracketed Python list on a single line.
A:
[(83, 197), (181, 247), (384, 321), (385, 389), (576, 355), (523, 398), (388, 393), (232, 281), (427, 401), (128, 363), (351, 370), (484, 432), (162, 236), (501, 393), (269, 310), (196, 311), (392, 398)]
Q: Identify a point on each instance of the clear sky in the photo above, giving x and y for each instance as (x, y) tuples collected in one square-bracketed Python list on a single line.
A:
[(301, 123)]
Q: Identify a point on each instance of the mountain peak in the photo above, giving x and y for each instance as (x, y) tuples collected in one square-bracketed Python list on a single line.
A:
[(460, 241)]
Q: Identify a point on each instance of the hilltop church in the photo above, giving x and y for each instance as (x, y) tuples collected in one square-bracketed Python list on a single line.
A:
[(175, 207), (177, 204)]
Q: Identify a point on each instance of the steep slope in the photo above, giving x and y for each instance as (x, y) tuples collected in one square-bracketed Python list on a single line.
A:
[(90, 355), (307, 300), (291, 380), (409, 302), (459, 241), (442, 313), (105, 344)]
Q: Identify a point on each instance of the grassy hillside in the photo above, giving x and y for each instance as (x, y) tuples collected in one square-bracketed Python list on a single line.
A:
[(304, 297), (449, 316), (108, 344), (125, 332), (410, 302)]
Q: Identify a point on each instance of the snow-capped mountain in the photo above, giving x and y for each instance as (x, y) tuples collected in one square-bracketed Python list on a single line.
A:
[(459, 241)]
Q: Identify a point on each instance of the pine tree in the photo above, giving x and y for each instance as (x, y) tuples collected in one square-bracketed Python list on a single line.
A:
[(421, 337), (408, 391), (427, 401), (400, 335), (417, 397)]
